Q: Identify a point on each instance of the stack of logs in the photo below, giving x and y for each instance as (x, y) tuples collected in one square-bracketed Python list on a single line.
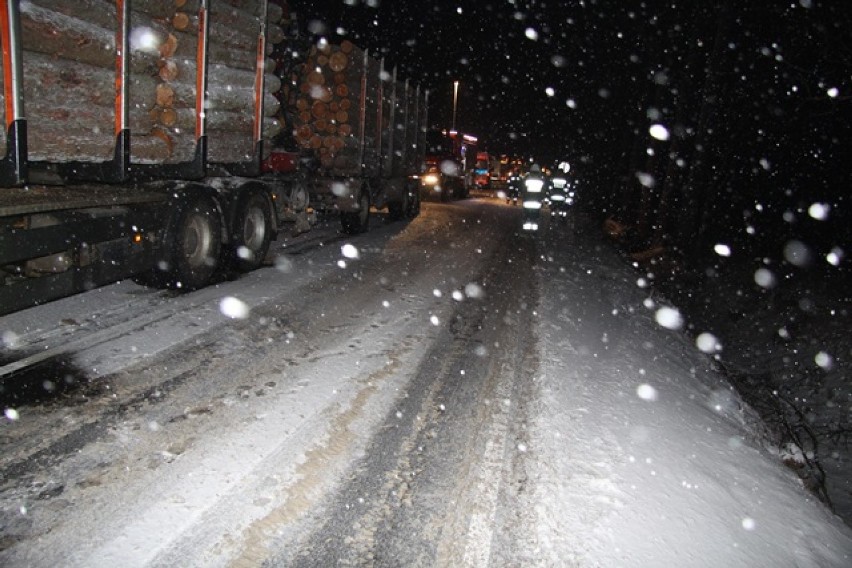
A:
[(69, 79), (327, 102)]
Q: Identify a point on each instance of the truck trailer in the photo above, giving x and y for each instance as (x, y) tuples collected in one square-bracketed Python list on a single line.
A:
[(146, 139)]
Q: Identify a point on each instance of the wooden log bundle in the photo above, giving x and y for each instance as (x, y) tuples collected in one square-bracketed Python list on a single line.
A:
[(44, 30), (234, 26), (69, 79), (219, 97), (327, 107), (217, 121), (82, 146), (50, 82)]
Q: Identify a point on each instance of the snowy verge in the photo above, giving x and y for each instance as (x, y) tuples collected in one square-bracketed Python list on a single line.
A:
[(646, 457)]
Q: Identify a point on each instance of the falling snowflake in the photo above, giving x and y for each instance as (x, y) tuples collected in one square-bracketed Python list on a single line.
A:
[(473, 290), (819, 211), (233, 308), (722, 249), (707, 343), (669, 318), (646, 392), (764, 278), (659, 132), (824, 360)]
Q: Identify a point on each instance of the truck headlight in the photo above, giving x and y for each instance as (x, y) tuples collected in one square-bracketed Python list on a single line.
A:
[(430, 179)]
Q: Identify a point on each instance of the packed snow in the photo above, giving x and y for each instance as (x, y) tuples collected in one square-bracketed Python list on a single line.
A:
[(647, 456), (639, 452)]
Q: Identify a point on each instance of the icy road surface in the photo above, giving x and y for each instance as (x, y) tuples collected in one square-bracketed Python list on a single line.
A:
[(442, 393)]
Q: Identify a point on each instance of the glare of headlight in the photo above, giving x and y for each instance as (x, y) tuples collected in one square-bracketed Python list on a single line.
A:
[(430, 179)]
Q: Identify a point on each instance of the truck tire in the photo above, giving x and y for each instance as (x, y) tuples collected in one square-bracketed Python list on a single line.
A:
[(413, 203), (354, 222), (461, 190), (399, 209), (196, 245), (447, 190), (252, 232)]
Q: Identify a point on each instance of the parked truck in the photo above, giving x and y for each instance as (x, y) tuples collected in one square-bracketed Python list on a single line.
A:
[(142, 140)]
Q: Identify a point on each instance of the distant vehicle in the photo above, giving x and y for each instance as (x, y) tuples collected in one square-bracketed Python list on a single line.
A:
[(443, 174), (442, 181), (482, 171)]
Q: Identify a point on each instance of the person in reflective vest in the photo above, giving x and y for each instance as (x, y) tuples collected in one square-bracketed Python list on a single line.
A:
[(533, 196)]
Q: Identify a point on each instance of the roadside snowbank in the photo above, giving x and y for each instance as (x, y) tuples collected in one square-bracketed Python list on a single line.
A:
[(644, 455)]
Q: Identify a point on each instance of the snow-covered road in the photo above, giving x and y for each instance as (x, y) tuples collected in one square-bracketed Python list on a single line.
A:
[(443, 393)]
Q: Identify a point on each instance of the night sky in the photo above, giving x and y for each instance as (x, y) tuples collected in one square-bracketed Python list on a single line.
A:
[(601, 57), (756, 96), (504, 54)]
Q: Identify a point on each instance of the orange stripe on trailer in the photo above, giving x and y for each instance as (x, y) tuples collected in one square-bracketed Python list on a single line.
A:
[(258, 86), (380, 95), (260, 65), (201, 70), (5, 22), (119, 66), (362, 103)]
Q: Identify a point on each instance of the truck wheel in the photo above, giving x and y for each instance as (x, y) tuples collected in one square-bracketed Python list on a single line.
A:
[(357, 221), (398, 209), (446, 190), (299, 197), (197, 244), (252, 232), (414, 204), (462, 191)]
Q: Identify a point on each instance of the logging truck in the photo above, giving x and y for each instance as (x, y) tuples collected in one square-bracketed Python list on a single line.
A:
[(146, 139)]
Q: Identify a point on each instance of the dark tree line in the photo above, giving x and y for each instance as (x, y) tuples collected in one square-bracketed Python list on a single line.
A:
[(757, 129), (756, 100)]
